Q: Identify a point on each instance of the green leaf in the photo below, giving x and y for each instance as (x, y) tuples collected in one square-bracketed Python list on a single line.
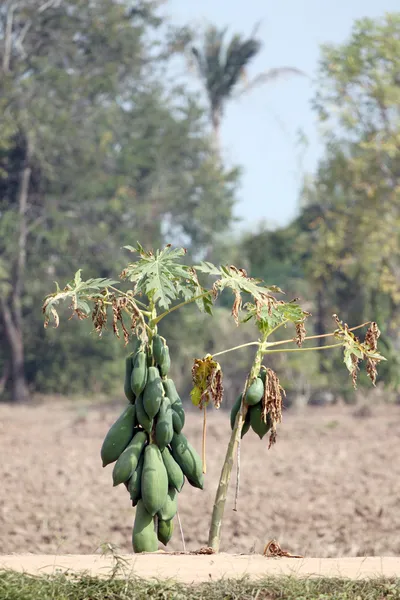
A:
[(269, 318), (162, 276)]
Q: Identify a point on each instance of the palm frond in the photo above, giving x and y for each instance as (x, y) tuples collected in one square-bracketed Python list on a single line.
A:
[(267, 77)]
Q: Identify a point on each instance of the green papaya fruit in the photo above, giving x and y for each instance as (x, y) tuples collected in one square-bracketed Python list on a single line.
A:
[(255, 392), (128, 373), (168, 511), (128, 460), (257, 423), (154, 483), (188, 460), (164, 427), (176, 421), (165, 362), (234, 411), (158, 345), (178, 408), (176, 477), (170, 391), (144, 536), (142, 416), (118, 436), (153, 393), (139, 373), (246, 424), (134, 487), (165, 530)]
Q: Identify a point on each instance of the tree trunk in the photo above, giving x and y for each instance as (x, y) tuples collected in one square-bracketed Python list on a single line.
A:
[(16, 376), (11, 306), (216, 125)]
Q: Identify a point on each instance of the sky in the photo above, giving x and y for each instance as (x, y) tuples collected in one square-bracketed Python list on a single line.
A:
[(261, 131)]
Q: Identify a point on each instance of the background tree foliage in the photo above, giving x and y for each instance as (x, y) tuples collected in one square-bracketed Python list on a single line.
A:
[(95, 152), (99, 147)]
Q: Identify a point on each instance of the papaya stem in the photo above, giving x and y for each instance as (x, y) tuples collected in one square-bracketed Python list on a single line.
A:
[(204, 439), (304, 349), (180, 305), (236, 348), (317, 337), (214, 538)]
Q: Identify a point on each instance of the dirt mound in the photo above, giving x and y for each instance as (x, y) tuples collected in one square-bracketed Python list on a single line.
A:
[(330, 487)]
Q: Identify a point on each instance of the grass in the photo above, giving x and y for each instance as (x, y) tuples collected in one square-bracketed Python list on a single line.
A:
[(17, 586)]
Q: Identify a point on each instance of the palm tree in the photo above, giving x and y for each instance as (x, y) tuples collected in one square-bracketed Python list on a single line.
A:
[(222, 67)]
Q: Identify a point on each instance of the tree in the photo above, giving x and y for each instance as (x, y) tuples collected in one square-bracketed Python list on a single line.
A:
[(353, 237), (222, 67), (93, 150)]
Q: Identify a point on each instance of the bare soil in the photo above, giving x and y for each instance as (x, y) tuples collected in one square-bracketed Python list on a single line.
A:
[(330, 487)]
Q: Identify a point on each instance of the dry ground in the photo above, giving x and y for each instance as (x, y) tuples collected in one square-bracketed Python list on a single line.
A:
[(329, 488)]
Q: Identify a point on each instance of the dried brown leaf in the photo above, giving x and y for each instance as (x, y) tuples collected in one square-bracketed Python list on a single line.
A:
[(207, 382), (237, 305), (272, 402), (273, 549), (99, 316), (300, 333)]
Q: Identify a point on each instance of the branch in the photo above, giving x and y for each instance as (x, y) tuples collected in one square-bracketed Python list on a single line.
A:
[(23, 230), (177, 306), (8, 38), (316, 337), (303, 349)]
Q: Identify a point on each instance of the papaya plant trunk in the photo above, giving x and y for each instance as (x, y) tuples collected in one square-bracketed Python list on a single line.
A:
[(214, 538)]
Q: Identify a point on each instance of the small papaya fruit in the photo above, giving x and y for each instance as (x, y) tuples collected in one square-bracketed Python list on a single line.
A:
[(154, 482), (170, 506), (128, 460), (170, 391), (142, 416), (158, 345), (165, 530), (178, 408), (234, 411), (118, 436), (134, 486), (165, 362), (129, 393), (139, 373), (164, 426), (188, 460), (175, 474), (176, 421), (256, 421), (153, 393), (255, 392), (144, 536)]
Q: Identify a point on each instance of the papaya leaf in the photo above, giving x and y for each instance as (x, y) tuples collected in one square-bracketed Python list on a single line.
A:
[(77, 292), (162, 276), (269, 317), (237, 280), (355, 351), (207, 382)]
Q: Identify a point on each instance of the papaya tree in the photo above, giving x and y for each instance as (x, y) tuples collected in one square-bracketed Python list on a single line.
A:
[(152, 457)]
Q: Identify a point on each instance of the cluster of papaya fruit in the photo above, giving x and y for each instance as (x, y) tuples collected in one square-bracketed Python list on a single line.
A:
[(254, 418), (151, 454)]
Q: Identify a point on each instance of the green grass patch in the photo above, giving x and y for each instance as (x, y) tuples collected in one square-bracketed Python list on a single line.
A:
[(16, 586)]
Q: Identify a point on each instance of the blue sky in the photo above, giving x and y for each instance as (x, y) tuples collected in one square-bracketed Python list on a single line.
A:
[(261, 131)]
